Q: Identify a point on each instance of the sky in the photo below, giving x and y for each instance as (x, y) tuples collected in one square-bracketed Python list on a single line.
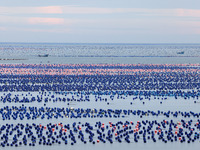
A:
[(100, 21)]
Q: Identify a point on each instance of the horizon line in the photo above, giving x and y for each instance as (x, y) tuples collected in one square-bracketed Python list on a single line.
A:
[(151, 43)]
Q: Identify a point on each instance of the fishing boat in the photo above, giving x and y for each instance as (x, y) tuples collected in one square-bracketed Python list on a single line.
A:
[(181, 52), (43, 55)]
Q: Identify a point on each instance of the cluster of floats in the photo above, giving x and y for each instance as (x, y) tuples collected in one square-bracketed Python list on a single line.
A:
[(22, 85), (33, 113), (128, 131)]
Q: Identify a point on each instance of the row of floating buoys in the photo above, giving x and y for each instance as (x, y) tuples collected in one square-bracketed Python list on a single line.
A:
[(162, 81), (27, 83), (142, 79), (103, 66), (141, 131), (33, 113), (99, 96)]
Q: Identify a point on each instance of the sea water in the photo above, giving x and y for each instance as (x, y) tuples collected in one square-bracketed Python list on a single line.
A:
[(27, 53), (72, 53)]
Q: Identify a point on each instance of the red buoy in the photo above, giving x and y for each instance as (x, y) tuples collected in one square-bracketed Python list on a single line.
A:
[(155, 131)]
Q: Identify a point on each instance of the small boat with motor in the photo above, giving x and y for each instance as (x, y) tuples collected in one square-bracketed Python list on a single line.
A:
[(181, 52), (43, 55)]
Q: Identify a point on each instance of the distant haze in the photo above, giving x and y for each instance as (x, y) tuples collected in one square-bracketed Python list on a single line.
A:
[(100, 21)]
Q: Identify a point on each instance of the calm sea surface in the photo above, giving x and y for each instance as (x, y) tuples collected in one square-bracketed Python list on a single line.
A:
[(99, 53), (105, 53)]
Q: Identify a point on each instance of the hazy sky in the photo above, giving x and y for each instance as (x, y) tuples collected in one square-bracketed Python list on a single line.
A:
[(100, 21)]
